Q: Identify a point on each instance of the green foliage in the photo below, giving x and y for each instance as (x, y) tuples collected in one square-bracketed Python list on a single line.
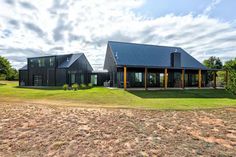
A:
[(6, 70), (83, 86), (221, 79), (65, 87), (231, 67), (12, 75), (90, 85), (75, 86), (213, 63)]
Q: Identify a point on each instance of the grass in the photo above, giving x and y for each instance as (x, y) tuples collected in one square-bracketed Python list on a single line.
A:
[(103, 97)]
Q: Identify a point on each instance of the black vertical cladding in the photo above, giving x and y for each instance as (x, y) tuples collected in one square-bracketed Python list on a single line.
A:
[(110, 65), (81, 68), (176, 59), (52, 75), (23, 77), (101, 77)]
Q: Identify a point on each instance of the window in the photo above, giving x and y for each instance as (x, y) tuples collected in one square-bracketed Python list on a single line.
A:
[(94, 79), (31, 63), (162, 79), (41, 62), (152, 79), (138, 77), (72, 78), (81, 78), (51, 61)]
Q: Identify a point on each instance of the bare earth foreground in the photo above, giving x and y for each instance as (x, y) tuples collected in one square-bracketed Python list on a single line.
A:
[(42, 130)]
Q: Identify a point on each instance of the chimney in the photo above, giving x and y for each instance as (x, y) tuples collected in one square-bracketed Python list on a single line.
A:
[(175, 59)]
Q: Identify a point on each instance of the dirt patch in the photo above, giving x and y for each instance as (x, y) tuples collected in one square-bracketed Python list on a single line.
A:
[(41, 130)]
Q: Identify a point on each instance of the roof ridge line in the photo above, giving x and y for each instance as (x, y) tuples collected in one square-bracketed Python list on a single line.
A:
[(144, 44)]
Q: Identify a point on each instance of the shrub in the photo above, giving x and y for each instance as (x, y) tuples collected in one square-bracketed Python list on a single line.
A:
[(75, 86), (90, 85), (83, 86), (65, 87)]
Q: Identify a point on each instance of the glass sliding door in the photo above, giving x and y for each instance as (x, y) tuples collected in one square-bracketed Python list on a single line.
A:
[(136, 79), (154, 80)]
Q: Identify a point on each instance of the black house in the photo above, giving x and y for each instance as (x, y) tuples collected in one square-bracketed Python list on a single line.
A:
[(150, 66), (55, 70)]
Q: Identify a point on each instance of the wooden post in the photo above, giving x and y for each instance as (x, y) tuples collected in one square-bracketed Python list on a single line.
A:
[(214, 79), (199, 78), (125, 73), (145, 79), (166, 78), (226, 77), (182, 79)]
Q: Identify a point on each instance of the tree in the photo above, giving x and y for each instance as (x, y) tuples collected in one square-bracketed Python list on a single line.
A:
[(6, 70), (213, 63), (5, 65), (231, 67), (12, 75)]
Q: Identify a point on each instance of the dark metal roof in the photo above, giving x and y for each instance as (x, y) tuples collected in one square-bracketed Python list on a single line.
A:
[(24, 67), (66, 64), (131, 54), (71, 59)]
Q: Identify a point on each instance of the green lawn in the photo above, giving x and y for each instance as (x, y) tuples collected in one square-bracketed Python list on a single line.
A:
[(99, 96)]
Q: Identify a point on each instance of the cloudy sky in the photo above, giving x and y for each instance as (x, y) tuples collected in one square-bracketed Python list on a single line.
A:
[(30, 28)]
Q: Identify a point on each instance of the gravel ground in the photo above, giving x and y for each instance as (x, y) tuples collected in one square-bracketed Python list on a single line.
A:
[(42, 130)]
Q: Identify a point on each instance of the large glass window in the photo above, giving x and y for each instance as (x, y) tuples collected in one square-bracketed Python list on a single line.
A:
[(41, 62), (72, 78), (152, 79), (94, 79), (138, 77), (51, 61), (31, 63), (82, 78), (162, 79)]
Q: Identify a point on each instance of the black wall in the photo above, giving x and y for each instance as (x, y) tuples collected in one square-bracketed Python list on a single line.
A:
[(101, 77), (110, 65), (53, 76), (23, 78), (81, 68)]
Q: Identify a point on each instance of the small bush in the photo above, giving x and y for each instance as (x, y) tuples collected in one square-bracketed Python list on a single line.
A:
[(75, 86), (65, 87), (83, 86), (90, 85)]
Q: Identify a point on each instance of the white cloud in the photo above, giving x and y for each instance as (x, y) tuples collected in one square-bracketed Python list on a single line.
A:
[(31, 28), (211, 6)]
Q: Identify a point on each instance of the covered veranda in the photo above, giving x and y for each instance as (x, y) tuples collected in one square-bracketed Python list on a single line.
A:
[(156, 78)]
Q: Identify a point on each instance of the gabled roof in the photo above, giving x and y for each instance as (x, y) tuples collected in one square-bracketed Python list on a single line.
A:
[(71, 59), (139, 55), (24, 67)]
